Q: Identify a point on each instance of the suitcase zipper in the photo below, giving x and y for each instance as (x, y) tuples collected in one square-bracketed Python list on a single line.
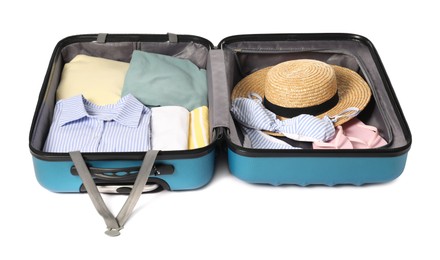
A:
[(275, 51)]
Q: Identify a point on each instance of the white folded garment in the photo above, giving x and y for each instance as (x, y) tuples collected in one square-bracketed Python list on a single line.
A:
[(169, 128)]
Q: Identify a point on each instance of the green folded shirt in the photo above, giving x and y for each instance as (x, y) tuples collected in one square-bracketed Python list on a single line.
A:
[(160, 80)]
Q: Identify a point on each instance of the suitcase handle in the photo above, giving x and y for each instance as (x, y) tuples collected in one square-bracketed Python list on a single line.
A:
[(114, 224), (124, 174), (125, 189)]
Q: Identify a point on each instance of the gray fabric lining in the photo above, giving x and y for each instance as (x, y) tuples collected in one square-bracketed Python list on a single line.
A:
[(236, 137), (45, 114), (243, 58), (219, 95), (121, 51), (211, 100)]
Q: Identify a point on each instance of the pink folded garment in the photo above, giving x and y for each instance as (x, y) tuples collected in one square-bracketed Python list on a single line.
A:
[(339, 142), (353, 134), (362, 136)]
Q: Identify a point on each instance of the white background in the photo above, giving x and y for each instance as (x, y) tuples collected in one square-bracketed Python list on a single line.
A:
[(228, 219)]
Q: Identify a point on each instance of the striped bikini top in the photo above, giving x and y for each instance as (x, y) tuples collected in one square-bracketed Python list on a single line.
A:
[(251, 113)]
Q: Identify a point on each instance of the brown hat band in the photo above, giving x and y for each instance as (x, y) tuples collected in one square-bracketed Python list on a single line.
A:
[(312, 110)]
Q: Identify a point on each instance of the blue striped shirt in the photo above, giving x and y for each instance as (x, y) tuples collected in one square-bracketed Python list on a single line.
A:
[(79, 125)]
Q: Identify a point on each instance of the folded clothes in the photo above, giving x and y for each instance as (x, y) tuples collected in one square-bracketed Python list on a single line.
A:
[(198, 128), (99, 80), (161, 80), (169, 128), (79, 125)]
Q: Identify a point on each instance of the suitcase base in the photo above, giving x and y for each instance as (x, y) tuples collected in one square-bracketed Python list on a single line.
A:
[(304, 171), (56, 176)]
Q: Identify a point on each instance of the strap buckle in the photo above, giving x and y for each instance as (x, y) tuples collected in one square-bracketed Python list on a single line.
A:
[(113, 232)]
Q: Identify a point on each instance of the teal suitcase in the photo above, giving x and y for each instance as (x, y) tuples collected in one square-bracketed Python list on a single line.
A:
[(233, 59)]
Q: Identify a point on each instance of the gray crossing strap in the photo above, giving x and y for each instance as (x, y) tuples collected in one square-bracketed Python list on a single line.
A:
[(114, 224), (138, 187)]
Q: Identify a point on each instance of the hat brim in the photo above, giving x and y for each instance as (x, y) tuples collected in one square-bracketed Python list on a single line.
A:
[(353, 91)]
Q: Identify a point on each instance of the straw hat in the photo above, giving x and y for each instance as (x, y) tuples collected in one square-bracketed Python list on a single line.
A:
[(306, 86)]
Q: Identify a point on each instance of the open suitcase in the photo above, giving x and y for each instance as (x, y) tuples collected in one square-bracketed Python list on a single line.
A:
[(226, 64)]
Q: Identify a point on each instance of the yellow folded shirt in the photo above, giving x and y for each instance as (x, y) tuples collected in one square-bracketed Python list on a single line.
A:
[(198, 128), (99, 80)]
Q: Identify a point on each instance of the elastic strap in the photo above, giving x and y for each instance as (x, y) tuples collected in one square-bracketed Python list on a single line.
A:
[(348, 113), (114, 225), (101, 38), (172, 38)]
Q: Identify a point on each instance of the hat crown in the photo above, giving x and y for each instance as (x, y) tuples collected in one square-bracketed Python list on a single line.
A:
[(300, 83)]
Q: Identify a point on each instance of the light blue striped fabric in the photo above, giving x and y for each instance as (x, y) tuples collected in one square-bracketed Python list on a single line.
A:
[(260, 140), (79, 125), (251, 114)]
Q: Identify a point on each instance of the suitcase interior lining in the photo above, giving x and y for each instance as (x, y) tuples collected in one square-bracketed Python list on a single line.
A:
[(240, 59), (243, 58), (120, 51)]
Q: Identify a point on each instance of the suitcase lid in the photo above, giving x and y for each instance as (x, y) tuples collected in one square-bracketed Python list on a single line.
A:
[(245, 54)]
